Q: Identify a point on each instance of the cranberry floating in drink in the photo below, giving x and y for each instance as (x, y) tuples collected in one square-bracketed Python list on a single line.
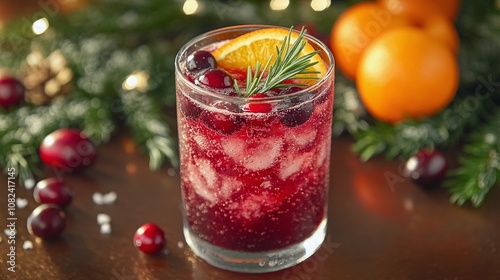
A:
[(255, 107)]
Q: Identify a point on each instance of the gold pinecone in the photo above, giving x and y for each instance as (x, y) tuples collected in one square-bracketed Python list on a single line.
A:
[(46, 78)]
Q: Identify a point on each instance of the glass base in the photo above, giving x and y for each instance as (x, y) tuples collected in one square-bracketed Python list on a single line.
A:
[(256, 262)]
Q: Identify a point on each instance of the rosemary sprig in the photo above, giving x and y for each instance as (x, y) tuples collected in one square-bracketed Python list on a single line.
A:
[(288, 65)]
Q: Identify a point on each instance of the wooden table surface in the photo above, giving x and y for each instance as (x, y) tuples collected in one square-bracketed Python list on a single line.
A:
[(381, 226)]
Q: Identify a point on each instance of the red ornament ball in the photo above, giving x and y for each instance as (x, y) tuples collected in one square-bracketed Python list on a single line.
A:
[(149, 238), (52, 190), (47, 221), (68, 150), (427, 167), (11, 92)]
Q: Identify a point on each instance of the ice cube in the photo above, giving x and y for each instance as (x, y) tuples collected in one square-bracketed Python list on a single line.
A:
[(266, 185), (208, 172), (263, 155), (291, 165), (302, 138), (256, 205), (228, 187), (200, 140), (203, 179), (250, 207), (322, 153), (234, 148)]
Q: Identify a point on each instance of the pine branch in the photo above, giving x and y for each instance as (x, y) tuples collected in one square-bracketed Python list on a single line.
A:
[(479, 168), (148, 127), (406, 138), (22, 130), (349, 114)]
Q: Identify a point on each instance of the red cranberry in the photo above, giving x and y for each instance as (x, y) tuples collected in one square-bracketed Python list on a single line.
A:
[(215, 78), (200, 60), (256, 107), (300, 110), (11, 92), (53, 190), (427, 167), (225, 123), (149, 238), (68, 149), (47, 221)]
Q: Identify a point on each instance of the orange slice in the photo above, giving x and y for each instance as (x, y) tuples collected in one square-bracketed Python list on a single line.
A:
[(259, 45)]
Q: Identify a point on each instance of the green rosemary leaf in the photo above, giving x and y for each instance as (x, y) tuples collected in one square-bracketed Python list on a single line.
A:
[(287, 65)]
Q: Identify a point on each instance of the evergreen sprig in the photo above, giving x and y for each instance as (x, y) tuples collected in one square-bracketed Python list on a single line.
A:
[(479, 165), (404, 139), (22, 130), (149, 128), (349, 114)]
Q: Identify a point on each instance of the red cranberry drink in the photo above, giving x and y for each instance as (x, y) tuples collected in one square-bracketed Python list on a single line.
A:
[(254, 107)]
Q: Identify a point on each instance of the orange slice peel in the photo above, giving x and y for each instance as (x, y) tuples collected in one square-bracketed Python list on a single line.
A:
[(258, 46)]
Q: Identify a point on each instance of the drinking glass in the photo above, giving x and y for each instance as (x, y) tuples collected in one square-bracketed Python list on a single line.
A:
[(255, 188)]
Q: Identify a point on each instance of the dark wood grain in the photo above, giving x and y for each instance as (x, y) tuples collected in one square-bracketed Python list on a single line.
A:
[(381, 226)]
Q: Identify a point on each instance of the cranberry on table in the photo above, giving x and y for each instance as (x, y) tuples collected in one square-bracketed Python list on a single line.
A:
[(427, 167), (11, 92), (52, 190), (225, 123), (200, 60), (149, 238), (68, 149), (47, 221), (215, 78)]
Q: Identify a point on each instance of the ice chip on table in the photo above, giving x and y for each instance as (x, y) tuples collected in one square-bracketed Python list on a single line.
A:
[(203, 178), (105, 228), (97, 198), (21, 202), (302, 137), (27, 245), (264, 155), (109, 198), (103, 218)]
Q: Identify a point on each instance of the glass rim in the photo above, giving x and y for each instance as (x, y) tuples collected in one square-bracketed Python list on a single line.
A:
[(250, 27)]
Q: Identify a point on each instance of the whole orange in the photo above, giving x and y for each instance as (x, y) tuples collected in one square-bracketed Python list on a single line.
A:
[(355, 29), (406, 74), (418, 10), (442, 30)]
